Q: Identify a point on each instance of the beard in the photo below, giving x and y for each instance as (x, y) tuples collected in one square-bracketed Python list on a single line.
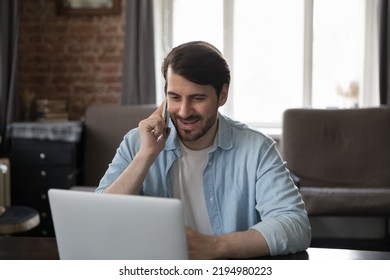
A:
[(190, 135)]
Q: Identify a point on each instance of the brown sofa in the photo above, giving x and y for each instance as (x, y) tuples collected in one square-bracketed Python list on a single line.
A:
[(342, 159), (104, 128)]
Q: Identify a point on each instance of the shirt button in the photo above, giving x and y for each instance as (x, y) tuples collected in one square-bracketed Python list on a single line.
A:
[(211, 199), (210, 163)]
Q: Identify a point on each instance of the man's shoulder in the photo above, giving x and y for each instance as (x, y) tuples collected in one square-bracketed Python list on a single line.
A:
[(244, 131), (132, 132), (132, 139)]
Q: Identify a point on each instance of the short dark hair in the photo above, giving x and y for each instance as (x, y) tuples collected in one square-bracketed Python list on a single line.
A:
[(199, 62)]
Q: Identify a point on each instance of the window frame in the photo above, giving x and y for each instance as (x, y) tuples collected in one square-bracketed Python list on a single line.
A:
[(370, 85)]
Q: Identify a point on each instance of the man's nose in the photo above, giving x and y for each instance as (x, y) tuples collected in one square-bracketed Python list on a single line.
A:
[(185, 109)]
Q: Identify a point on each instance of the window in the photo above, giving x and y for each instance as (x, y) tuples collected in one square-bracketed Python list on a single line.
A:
[(267, 62), (338, 52), (197, 20), (282, 53)]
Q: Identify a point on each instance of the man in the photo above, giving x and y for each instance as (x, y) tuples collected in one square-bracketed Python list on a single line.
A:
[(239, 199)]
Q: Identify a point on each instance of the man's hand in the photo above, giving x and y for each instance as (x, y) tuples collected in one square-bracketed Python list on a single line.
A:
[(235, 245), (201, 246), (154, 133), (153, 138)]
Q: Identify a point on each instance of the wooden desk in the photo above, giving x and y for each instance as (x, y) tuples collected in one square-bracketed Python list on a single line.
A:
[(45, 248), (28, 248)]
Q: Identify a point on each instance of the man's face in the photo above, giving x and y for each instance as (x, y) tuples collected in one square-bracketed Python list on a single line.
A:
[(193, 109)]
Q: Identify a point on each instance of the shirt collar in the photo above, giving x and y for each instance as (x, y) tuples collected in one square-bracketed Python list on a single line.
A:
[(224, 135)]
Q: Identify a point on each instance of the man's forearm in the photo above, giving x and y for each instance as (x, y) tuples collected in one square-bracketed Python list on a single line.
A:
[(131, 179), (242, 245), (237, 245)]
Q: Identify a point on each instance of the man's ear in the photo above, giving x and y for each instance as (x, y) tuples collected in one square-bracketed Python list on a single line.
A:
[(223, 95)]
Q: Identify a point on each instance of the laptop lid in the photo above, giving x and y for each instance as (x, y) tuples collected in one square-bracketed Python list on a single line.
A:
[(108, 226)]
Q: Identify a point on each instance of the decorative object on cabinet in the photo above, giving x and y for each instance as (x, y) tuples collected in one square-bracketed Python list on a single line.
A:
[(43, 156), (51, 110)]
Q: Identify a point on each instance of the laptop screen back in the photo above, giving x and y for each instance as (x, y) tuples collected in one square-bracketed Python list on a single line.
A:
[(107, 226)]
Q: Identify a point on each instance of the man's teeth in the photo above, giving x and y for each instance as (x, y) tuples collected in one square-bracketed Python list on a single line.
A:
[(189, 122)]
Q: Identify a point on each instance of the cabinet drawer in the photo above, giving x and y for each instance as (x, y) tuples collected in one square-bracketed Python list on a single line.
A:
[(24, 177), (32, 195), (37, 152)]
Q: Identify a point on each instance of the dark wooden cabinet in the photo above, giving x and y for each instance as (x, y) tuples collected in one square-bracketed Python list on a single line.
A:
[(40, 164)]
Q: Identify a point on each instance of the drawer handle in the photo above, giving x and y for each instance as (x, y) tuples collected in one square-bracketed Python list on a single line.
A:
[(42, 156), (43, 173)]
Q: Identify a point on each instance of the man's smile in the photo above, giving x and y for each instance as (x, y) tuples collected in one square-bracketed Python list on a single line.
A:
[(188, 123)]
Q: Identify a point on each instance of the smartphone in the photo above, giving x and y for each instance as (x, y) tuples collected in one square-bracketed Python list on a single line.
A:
[(165, 115)]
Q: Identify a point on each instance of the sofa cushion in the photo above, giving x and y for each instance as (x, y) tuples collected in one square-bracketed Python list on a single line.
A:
[(338, 148), (341, 157), (346, 201)]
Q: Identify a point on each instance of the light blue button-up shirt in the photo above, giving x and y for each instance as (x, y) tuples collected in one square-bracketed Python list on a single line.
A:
[(246, 184)]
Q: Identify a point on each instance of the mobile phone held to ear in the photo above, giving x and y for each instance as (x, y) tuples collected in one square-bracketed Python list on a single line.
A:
[(165, 115)]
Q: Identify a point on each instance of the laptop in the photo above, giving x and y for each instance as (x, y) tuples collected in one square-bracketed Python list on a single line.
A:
[(92, 226)]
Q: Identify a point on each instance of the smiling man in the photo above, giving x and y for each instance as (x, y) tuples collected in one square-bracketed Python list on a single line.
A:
[(238, 197)]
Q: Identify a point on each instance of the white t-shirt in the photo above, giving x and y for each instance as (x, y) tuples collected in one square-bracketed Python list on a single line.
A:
[(188, 186)]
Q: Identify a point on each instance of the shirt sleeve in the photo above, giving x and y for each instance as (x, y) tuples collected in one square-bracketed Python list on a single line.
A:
[(284, 221), (122, 158)]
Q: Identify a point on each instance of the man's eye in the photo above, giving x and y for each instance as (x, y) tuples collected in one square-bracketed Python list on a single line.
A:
[(175, 98)]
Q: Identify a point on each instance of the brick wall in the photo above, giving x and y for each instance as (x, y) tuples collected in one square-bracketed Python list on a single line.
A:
[(76, 58)]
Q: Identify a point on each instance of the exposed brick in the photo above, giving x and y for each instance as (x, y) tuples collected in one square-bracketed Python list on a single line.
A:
[(77, 58)]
